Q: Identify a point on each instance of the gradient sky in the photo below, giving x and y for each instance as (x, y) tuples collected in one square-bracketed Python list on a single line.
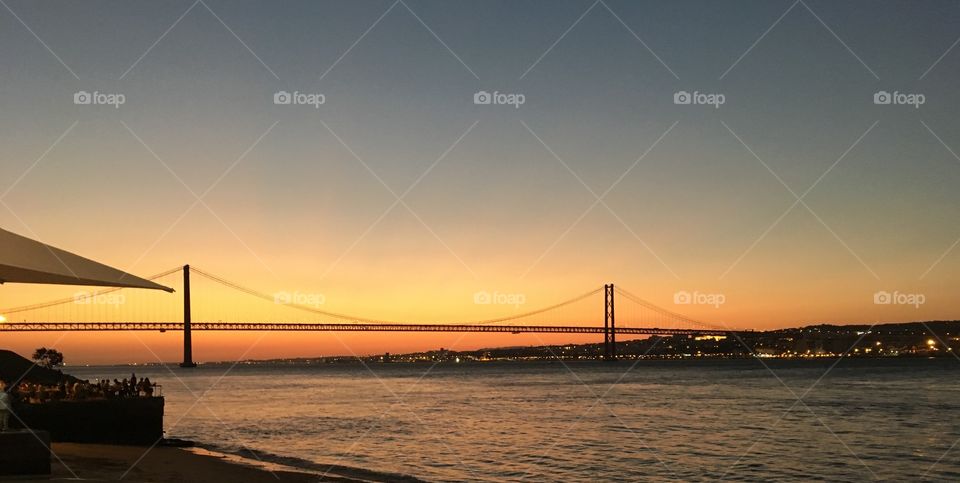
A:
[(288, 206)]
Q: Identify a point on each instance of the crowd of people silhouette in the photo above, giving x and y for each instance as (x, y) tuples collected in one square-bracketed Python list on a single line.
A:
[(32, 393)]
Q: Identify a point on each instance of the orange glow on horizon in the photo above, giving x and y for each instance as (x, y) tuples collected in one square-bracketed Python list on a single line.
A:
[(425, 283)]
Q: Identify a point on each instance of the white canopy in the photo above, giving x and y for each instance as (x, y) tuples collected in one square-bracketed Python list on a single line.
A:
[(23, 260)]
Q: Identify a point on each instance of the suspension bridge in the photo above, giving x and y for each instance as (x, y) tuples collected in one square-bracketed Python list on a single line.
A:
[(112, 310)]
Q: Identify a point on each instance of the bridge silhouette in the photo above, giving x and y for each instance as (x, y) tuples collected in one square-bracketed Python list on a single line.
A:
[(101, 312)]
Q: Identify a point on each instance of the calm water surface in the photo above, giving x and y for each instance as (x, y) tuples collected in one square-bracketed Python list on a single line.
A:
[(890, 419)]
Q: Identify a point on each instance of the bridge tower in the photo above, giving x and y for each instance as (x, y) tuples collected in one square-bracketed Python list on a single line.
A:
[(609, 324), (187, 339)]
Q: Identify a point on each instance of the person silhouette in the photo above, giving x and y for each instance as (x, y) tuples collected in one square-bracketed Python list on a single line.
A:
[(6, 405)]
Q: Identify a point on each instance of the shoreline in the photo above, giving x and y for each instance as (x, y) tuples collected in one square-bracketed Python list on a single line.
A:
[(101, 462), (271, 462)]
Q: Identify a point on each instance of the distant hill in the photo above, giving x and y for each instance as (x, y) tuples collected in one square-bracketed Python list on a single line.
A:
[(937, 326), (909, 339), (13, 367)]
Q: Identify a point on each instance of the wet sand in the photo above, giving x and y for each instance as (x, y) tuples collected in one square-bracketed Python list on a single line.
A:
[(96, 462)]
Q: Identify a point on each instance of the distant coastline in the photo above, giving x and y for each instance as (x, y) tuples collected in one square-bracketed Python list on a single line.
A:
[(901, 339)]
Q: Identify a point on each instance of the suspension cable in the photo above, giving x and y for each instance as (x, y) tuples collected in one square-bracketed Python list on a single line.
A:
[(663, 311), (70, 300), (305, 308)]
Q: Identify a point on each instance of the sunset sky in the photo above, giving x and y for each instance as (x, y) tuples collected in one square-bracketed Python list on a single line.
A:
[(501, 199)]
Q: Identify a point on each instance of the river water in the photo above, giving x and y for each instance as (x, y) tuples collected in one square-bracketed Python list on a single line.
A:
[(703, 420)]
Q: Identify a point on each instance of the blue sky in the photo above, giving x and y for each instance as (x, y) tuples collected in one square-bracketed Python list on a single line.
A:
[(307, 197)]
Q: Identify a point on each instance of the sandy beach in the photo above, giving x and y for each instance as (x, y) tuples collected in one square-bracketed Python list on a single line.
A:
[(95, 462)]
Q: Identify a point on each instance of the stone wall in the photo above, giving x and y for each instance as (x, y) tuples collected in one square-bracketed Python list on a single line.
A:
[(134, 421)]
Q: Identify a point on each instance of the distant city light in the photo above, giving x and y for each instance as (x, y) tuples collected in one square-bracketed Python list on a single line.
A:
[(931, 342), (710, 337)]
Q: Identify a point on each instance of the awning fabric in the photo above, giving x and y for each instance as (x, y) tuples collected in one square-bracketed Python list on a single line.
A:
[(23, 260)]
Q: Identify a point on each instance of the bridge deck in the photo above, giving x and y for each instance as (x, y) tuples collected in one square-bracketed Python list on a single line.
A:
[(324, 327)]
